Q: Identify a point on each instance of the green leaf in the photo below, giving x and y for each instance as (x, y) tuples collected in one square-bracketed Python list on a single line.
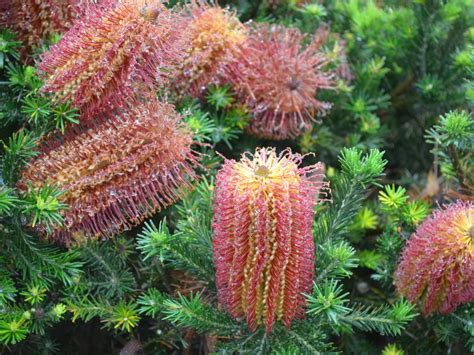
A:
[(191, 312), (150, 302), (386, 320), (45, 206), (392, 197), (7, 200), (12, 332), (219, 96), (124, 316)]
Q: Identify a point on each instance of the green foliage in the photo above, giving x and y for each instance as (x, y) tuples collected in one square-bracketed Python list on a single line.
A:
[(122, 316), (190, 246), (453, 140), (363, 168), (7, 200), (358, 171), (8, 48), (415, 212), (23, 80), (219, 97), (42, 115), (36, 109), (32, 271), (34, 294), (192, 312), (19, 148), (370, 259), (365, 219), (7, 290), (150, 302), (106, 274), (218, 119), (335, 260), (389, 320), (152, 241), (392, 349), (393, 198), (64, 114), (12, 332), (328, 301), (44, 205), (454, 128), (23, 102)]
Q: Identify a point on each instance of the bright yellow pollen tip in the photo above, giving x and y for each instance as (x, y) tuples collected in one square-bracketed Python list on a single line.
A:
[(262, 171), (466, 228), (266, 169)]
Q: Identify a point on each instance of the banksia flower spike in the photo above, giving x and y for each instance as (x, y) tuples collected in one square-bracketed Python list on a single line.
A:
[(437, 265), (117, 48), (262, 244), (117, 173), (278, 80), (215, 35)]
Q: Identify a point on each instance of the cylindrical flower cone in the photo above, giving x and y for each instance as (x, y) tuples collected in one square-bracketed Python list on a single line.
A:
[(215, 35), (262, 243), (114, 48), (437, 265), (117, 173)]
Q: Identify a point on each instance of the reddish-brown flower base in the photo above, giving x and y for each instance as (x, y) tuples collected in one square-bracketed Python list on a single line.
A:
[(263, 245), (117, 173), (437, 266)]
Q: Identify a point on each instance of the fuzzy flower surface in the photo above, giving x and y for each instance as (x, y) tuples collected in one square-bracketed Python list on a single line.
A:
[(36, 20), (215, 35), (278, 78), (82, 7), (117, 173), (437, 265), (263, 246), (116, 48)]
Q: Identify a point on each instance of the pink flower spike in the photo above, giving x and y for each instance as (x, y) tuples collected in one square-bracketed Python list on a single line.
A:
[(262, 235)]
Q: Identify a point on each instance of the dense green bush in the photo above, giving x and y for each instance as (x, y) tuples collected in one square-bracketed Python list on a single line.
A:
[(397, 143)]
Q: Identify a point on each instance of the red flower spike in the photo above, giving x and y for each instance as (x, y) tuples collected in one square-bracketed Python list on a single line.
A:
[(215, 36), (263, 244), (278, 80), (116, 47), (437, 265), (117, 173)]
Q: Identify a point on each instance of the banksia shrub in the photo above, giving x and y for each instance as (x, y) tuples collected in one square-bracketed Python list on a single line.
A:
[(117, 173), (437, 266), (36, 20), (278, 79), (116, 48), (215, 36), (262, 244)]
